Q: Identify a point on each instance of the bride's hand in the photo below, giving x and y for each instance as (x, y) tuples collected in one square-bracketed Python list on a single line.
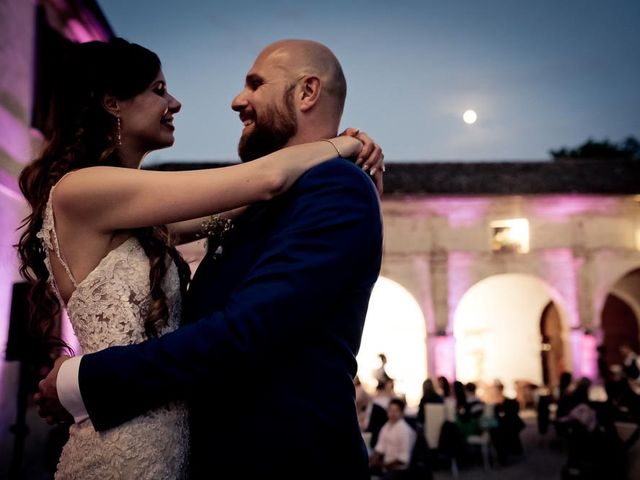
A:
[(370, 156)]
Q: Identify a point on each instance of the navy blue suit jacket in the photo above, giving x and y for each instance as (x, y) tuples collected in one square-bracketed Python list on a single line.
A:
[(272, 329)]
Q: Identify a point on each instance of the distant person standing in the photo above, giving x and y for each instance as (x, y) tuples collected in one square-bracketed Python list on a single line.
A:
[(630, 362), (603, 366), (385, 391), (380, 374)]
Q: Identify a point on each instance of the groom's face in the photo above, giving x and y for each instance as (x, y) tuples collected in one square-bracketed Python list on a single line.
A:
[(266, 107)]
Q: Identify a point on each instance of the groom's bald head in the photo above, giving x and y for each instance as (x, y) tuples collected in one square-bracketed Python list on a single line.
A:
[(294, 93), (306, 57)]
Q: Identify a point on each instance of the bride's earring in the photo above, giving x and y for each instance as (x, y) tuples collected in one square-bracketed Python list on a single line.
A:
[(118, 131), (118, 127)]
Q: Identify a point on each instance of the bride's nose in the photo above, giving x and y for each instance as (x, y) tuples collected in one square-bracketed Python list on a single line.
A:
[(174, 105)]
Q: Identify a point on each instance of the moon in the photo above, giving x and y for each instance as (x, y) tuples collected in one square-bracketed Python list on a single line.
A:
[(470, 117)]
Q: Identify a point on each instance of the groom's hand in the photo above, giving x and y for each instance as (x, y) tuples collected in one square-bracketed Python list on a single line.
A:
[(49, 406)]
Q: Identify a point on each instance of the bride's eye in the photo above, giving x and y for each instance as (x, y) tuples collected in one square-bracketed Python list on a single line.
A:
[(160, 89)]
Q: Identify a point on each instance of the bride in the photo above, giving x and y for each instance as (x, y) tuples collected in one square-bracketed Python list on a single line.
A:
[(95, 242)]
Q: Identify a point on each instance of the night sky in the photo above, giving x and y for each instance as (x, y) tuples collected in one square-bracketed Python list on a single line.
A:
[(540, 75)]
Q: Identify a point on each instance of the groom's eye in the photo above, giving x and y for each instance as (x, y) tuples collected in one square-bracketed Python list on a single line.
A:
[(254, 83)]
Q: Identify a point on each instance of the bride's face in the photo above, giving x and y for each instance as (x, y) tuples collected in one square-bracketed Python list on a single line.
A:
[(147, 118)]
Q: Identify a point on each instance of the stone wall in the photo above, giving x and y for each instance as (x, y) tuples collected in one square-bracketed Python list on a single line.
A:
[(438, 247)]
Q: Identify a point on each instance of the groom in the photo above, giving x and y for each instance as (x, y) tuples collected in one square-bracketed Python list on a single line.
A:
[(267, 355)]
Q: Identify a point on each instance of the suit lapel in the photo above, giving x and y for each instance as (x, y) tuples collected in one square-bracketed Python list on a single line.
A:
[(218, 274)]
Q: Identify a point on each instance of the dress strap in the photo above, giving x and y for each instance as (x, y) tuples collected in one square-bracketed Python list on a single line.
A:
[(50, 237)]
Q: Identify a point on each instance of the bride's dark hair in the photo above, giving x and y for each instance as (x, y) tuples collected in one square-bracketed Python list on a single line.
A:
[(83, 135)]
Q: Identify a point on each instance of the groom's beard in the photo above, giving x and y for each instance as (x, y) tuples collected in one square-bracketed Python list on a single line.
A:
[(271, 130)]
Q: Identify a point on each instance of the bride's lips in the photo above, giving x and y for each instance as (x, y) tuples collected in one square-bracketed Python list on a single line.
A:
[(168, 122)]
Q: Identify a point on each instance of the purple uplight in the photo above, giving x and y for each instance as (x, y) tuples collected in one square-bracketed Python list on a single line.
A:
[(559, 267), (461, 212), (583, 347), (10, 216), (562, 207), (68, 334), (444, 356), (589, 356), (460, 280)]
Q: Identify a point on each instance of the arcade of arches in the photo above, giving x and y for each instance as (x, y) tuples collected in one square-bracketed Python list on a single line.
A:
[(512, 315)]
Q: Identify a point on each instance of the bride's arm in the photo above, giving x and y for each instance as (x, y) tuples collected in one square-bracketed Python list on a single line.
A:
[(111, 198), (191, 230), (370, 158)]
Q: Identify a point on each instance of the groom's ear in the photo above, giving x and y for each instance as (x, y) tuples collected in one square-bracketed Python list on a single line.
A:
[(311, 87)]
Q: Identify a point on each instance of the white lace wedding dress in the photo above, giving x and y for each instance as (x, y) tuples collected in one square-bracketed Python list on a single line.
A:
[(108, 308)]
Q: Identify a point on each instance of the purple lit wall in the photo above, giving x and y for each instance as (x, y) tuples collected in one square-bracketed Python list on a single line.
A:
[(444, 356), (16, 60), (68, 335), (459, 211), (76, 21)]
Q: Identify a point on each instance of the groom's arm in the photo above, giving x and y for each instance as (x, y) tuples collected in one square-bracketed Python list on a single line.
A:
[(332, 230)]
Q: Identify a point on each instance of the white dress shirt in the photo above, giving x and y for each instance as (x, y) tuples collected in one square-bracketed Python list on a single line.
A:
[(68, 387), (395, 442)]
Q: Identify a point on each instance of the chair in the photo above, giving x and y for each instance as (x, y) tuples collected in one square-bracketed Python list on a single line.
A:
[(483, 441), (366, 436), (435, 415), (628, 434)]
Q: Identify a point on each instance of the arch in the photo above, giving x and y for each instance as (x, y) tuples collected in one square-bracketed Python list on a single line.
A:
[(626, 288), (624, 282), (394, 326), (497, 328), (552, 354), (620, 316), (619, 327)]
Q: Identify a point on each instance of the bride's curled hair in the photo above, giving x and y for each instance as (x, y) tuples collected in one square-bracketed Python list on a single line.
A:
[(83, 134)]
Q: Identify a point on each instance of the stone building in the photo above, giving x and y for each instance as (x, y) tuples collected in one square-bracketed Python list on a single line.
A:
[(31, 33), (520, 269)]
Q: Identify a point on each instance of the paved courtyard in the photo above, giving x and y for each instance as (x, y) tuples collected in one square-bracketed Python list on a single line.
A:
[(543, 459)]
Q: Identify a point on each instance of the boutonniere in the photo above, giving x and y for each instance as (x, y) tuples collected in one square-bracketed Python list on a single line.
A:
[(216, 229)]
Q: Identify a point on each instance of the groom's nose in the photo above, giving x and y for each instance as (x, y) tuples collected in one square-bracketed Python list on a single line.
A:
[(239, 102)]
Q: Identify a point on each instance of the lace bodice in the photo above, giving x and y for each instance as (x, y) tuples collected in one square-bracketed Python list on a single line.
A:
[(108, 308)]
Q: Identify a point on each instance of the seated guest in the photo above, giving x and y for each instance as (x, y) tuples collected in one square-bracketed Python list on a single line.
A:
[(471, 413), (475, 406), (563, 397), (505, 436), (447, 398), (371, 416), (429, 395), (392, 453)]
